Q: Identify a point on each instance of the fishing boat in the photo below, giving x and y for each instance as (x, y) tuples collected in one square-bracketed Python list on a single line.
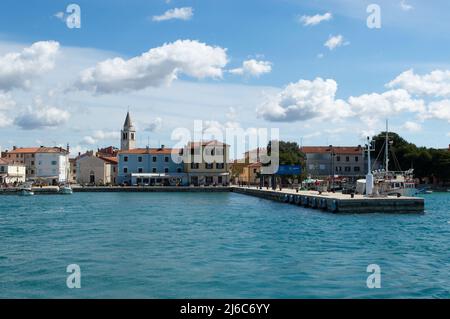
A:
[(65, 190), (25, 190), (385, 182)]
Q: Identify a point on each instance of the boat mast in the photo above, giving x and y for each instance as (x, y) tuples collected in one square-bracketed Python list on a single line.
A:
[(386, 159)]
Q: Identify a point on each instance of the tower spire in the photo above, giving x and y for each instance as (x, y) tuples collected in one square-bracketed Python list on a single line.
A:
[(128, 136)]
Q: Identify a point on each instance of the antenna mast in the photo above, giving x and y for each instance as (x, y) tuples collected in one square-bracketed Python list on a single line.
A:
[(386, 160)]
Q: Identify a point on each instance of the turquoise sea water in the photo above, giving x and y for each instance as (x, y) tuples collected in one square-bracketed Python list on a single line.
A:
[(218, 245)]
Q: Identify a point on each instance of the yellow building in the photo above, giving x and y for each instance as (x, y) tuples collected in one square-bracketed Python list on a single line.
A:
[(250, 174), (207, 163)]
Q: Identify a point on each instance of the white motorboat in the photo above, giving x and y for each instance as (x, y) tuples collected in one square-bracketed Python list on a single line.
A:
[(25, 190), (65, 190)]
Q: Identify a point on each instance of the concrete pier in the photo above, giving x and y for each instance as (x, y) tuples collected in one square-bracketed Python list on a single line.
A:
[(339, 203), (150, 189), (331, 202)]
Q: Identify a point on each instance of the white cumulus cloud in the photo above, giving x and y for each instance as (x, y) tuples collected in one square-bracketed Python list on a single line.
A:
[(159, 66), (19, 68), (438, 110), (41, 116), (304, 100), (315, 19), (334, 42), (185, 13), (412, 126), (253, 68), (436, 83), (386, 104)]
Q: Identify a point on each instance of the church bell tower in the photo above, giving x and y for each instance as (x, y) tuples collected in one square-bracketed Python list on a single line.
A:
[(128, 136)]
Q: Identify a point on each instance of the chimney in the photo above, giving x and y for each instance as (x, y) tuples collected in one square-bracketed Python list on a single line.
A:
[(14, 148), (68, 148)]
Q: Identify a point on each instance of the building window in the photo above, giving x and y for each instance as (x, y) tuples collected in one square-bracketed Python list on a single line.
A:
[(338, 158), (125, 158), (140, 159), (125, 170), (166, 170), (194, 166), (154, 159), (220, 165), (132, 136), (356, 168), (348, 168), (209, 165), (54, 163), (140, 170), (32, 171), (178, 170), (154, 170), (166, 159), (219, 179), (356, 158), (347, 158), (32, 162), (322, 166)]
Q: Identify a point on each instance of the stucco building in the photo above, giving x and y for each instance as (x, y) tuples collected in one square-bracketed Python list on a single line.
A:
[(93, 169), (151, 166), (207, 163), (11, 173), (346, 161)]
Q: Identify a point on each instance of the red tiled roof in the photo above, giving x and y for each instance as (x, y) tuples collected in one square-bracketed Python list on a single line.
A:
[(344, 150), (112, 160), (23, 150), (30, 150)]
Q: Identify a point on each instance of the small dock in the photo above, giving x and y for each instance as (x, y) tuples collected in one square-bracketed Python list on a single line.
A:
[(338, 202)]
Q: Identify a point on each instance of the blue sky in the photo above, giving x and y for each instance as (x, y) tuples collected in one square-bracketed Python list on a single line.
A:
[(413, 36)]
